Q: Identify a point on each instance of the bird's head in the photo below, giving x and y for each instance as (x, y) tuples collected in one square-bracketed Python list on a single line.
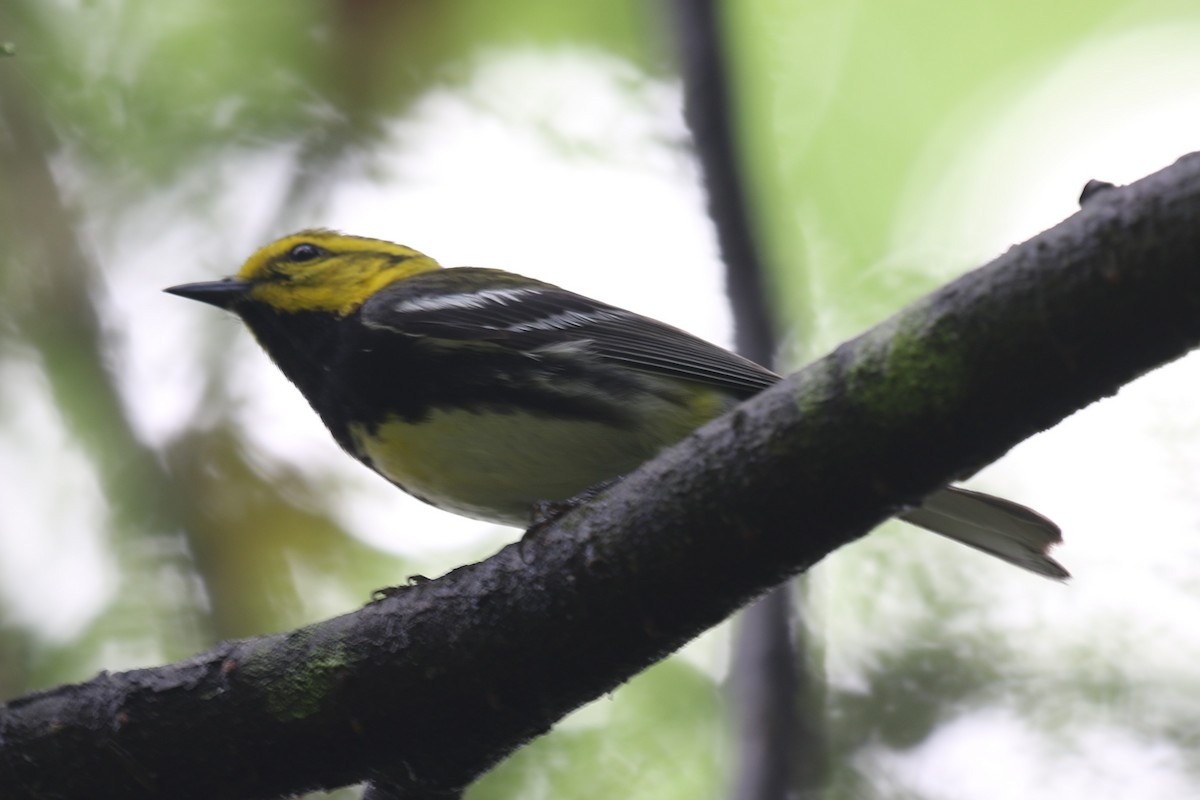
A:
[(313, 270)]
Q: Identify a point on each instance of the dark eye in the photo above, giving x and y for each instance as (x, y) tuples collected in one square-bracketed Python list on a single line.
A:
[(305, 251)]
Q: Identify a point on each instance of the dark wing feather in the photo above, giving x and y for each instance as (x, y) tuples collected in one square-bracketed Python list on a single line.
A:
[(467, 303)]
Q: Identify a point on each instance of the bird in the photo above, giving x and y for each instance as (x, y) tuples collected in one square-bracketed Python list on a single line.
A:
[(486, 393)]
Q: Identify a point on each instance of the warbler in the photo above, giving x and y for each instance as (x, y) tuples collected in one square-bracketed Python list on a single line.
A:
[(484, 392)]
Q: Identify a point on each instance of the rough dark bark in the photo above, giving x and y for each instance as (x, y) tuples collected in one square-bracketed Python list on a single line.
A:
[(441, 681)]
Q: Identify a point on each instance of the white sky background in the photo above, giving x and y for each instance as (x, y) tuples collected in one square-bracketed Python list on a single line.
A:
[(608, 205)]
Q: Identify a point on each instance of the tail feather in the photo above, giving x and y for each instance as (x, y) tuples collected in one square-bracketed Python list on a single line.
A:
[(998, 527)]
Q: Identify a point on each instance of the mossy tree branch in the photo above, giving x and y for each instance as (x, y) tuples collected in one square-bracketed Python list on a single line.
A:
[(441, 681)]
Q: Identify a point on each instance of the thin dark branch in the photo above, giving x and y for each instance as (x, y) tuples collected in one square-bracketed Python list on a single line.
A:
[(779, 734), (440, 682), (779, 727), (706, 106)]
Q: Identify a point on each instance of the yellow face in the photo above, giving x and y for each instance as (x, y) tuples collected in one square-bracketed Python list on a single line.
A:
[(320, 270)]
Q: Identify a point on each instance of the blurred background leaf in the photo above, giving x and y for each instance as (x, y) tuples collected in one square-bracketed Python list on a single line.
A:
[(162, 488)]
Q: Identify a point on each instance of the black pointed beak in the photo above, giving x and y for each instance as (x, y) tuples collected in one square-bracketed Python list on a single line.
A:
[(222, 294)]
